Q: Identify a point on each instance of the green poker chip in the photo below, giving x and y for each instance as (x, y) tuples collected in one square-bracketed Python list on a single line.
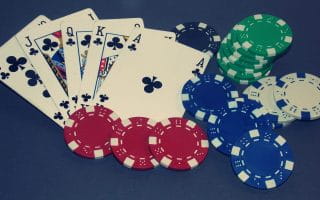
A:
[(247, 53), (241, 81), (221, 57), (238, 60), (225, 56), (234, 72), (236, 56), (264, 35), (235, 46)]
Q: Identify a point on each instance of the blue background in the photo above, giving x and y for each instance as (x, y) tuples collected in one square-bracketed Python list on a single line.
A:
[(36, 164)]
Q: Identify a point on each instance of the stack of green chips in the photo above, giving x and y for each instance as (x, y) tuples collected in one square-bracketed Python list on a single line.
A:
[(247, 53)]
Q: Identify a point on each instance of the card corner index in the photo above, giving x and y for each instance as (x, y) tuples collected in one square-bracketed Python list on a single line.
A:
[(42, 18), (92, 14), (140, 20)]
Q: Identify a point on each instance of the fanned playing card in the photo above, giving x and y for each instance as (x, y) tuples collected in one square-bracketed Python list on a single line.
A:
[(76, 36), (148, 76), (108, 39), (44, 47), (18, 74)]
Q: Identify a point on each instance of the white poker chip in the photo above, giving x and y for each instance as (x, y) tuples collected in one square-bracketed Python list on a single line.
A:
[(298, 94), (262, 92)]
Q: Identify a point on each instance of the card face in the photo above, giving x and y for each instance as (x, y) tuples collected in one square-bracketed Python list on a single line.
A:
[(76, 36), (148, 76), (18, 74), (44, 48), (108, 39)]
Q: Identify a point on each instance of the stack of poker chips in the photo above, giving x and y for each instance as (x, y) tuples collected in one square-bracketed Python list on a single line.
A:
[(243, 126), (249, 50), (241, 129)]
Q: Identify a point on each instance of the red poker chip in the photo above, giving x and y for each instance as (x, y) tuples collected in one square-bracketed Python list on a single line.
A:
[(87, 132), (130, 145), (178, 144)]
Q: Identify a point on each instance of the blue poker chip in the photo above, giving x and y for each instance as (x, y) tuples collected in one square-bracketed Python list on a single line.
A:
[(229, 123), (198, 35), (262, 159), (206, 93)]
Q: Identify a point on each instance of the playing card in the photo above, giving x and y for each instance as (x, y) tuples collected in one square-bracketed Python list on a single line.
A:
[(76, 36), (45, 50), (148, 77), (108, 39), (18, 74)]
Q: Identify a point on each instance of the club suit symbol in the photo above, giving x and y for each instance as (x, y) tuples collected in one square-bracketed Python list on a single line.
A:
[(132, 47), (58, 116), (64, 104), (86, 40), (49, 45), (70, 42), (115, 43), (196, 72), (86, 97), (33, 52), (75, 99), (4, 75), (103, 98), (16, 63), (46, 94), (151, 84), (33, 78), (97, 42)]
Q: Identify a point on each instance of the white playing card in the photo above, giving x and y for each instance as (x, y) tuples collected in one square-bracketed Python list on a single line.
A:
[(18, 74), (45, 50), (76, 36), (148, 77), (108, 39)]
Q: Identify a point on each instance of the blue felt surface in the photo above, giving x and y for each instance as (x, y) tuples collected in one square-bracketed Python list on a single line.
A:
[(36, 164)]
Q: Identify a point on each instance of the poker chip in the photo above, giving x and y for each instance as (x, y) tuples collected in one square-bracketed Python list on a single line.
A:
[(249, 50), (264, 35), (248, 56), (130, 144), (262, 159), (178, 144), (236, 72), (238, 56), (198, 35), (298, 94), (239, 74), (87, 132), (235, 61), (262, 92), (272, 118), (240, 80), (203, 94), (231, 122)]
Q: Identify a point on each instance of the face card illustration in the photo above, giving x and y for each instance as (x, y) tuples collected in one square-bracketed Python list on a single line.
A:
[(147, 78), (44, 48), (76, 37), (108, 39), (51, 48), (18, 74)]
